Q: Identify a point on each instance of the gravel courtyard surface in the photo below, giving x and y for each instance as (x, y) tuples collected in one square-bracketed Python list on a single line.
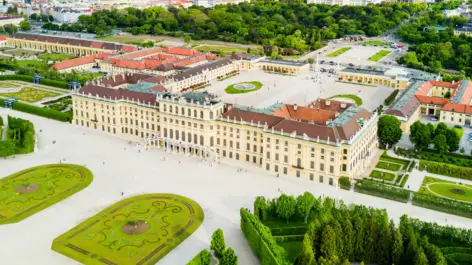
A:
[(220, 190), (301, 89)]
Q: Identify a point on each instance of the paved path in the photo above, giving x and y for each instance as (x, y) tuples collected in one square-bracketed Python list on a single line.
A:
[(3, 137), (221, 191)]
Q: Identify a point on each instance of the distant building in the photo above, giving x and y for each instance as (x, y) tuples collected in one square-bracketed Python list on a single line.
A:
[(460, 11), (69, 15), (466, 30), (6, 19)]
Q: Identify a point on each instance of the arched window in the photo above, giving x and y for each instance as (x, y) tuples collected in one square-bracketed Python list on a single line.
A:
[(189, 112), (195, 139), (299, 162), (170, 109), (165, 107), (189, 137), (201, 140), (211, 141), (177, 135), (182, 111), (183, 136), (165, 132), (171, 133), (201, 114), (195, 113)]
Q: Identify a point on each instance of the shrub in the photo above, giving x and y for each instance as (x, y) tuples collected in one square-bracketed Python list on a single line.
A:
[(448, 158), (261, 240), (447, 170), (289, 238), (218, 243), (1, 121), (345, 183), (442, 204), (42, 81), (389, 100), (202, 258), (43, 112), (381, 190), (21, 133), (290, 230)]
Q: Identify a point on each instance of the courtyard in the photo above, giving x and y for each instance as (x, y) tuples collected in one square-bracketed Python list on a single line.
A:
[(122, 172), (301, 90)]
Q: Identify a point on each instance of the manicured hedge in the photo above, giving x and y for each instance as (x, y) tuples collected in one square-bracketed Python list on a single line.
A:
[(429, 155), (451, 250), (381, 190), (43, 112), (1, 121), (292, 230), (20, 137), (389, 100), (261, 240), (458, 259), (202, 258), (42, 81), (345, 183), (280, 239), (447, 170), (442, 205)]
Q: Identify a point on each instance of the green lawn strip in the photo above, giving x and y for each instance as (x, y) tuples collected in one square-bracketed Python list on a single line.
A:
[(404, 180), (376, 57), (232, 90), (444, 188), (55, 57), (356, 99), (292, 248), (218, 49), (30, 94), (31, 63), (137, 230), (376, 42), (8, 85), (382, 175), (387, 158), (34, 189), (339, 52), (388, 166)]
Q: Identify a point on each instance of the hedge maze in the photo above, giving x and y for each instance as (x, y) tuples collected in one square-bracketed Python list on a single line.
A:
[(34, 189), (138, 230)]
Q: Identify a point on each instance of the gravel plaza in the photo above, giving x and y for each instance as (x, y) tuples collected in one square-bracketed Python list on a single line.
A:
[(301, 89), (118, 167), (357, 55)]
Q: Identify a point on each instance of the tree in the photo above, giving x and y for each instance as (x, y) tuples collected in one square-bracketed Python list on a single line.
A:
[(346, 262), (462, 150), (420, 135), (10, 28), (305, 203), (229, 258), (311, 60), (275, 51), (285, 206), (50, 18), (389, 130), (25, 25), (218, 243), (187, 38), (421, 258), (452, 141), (1, 121), (306, 254), (397, 247), (440, 143), (447, 95), (328, 242)]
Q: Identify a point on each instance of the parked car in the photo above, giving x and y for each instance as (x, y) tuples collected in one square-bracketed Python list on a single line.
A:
[(457, 126), (433, 118)]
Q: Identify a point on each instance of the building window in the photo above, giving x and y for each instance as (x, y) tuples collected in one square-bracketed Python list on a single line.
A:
[(276, 168), (312, 164), (285, 159), (331, 181), (321, 179), (285, 170), (321, 167), (331, 169), (267, 166), (312, 176), (247, 158)]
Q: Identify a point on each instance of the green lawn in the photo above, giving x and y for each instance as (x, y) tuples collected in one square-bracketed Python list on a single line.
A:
[(8, 85), (31, 190), (137, 230), (30, 63), (376, 42), (128, 39), (30, 94), (55, 57), (382, 175), (388, 166), (387, 158), (226, 49), (444, 188), (356, 99), (235, 90), (339, 51), (376, 57), (292, 248), (22, 52)]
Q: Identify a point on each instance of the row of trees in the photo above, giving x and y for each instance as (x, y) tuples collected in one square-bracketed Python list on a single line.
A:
[(435, 48), (286, 207), (286, 24), (20, 137), (444, 138)]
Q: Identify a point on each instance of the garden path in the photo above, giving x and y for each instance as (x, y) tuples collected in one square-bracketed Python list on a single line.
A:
[(221, 190)]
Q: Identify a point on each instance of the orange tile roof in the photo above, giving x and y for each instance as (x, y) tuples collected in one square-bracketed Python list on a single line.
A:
[(181, 51), (431, 100), (128, 48), (294, 112), (444, 84), (3, 37), (461, 108), (141, 53), (79, 61)]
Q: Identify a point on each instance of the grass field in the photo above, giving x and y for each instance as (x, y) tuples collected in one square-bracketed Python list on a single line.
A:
[(448, 189), (234, 90), (30, 94), (137, 230), (339, 52), (55, 57), (375, 42), (128, 39), (34, 189), (388, 166), (378, 56), (22, 52), (382, 175), (30, 63), (226, 49), (356, 99), (8, 85)]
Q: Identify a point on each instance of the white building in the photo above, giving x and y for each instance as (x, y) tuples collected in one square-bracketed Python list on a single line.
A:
[(344, 2), (69, 15)]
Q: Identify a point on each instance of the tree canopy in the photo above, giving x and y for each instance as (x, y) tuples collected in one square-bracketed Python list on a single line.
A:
[(389, 130)]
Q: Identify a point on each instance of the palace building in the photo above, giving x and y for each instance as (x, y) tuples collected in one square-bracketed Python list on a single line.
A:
[(321, 142), (71, 46), (449, 101)]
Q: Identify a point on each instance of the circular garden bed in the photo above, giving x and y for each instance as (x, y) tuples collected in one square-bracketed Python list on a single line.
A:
[(243, 87)]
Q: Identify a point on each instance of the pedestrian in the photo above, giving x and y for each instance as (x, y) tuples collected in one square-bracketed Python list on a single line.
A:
[(122, 193), (104, 162), (277, 174)]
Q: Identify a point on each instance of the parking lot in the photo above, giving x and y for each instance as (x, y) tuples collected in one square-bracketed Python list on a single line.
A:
[(301, 89)]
